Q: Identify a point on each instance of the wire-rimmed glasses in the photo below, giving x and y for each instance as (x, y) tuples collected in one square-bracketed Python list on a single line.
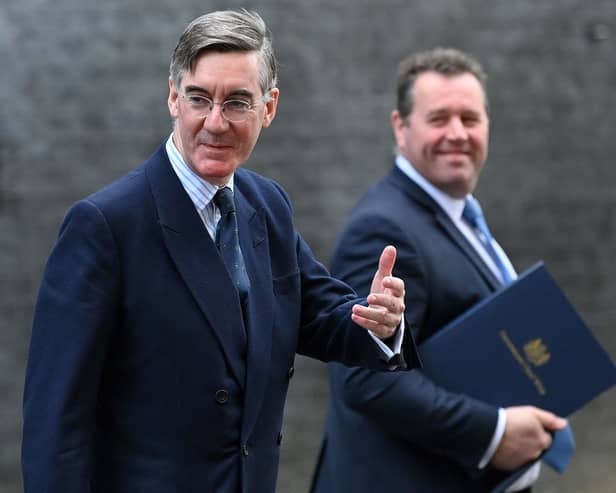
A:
[(232, 110)]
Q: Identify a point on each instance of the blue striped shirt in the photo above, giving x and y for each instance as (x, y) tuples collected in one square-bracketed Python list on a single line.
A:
[(200, 191)]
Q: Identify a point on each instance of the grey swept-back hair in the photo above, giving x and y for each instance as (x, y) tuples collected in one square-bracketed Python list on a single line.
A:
[(223, 31), (445, 61)]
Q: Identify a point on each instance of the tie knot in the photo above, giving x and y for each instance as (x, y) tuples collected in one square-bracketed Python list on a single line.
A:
[(472, 211), (224, 200)]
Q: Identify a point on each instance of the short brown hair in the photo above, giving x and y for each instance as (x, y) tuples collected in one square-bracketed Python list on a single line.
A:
[(445, 61)]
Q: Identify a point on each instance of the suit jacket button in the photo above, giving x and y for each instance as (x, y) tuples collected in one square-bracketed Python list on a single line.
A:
[(291, 372), (222, 396), (279, 439), (245, 450)]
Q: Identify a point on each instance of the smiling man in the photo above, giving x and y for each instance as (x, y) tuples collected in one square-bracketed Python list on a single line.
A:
[(215, 143), (445, 137), (175, 299), (398, 431)]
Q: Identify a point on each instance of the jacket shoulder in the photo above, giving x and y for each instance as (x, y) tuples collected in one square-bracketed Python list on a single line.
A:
[(260, 190)]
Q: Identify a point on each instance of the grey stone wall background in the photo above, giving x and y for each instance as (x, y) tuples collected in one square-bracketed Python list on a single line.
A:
[(83, 99)]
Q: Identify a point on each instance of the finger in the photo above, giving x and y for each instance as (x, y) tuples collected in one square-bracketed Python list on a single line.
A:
[(387, 261), (393, 304), (550, 421), (545, 442), (394, 285), (381, 331), (378, 315)]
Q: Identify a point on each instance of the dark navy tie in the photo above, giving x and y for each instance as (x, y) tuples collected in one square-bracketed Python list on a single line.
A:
[(227, 241), (563, 443)]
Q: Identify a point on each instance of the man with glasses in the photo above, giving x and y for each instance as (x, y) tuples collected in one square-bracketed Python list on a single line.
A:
[(175, 300)]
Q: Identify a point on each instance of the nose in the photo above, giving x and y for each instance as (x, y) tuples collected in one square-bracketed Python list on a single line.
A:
[(214, 122), (456, 130)]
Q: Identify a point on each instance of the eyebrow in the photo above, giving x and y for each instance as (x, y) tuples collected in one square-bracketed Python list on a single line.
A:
[(237, 92), (445, 111)]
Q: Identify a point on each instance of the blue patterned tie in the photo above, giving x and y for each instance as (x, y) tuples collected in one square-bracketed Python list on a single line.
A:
[(227, 241), (474, 216), (563, 443)]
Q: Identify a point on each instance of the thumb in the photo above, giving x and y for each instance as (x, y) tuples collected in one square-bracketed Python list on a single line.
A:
[(550, 421), (387, 261)]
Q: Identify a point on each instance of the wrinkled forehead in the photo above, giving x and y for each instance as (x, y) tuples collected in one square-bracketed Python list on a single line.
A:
[(237, 70)]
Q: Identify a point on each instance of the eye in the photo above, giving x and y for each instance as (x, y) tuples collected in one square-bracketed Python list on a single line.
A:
[(237, 105), (471, 121), (437, 120), (198, 101)]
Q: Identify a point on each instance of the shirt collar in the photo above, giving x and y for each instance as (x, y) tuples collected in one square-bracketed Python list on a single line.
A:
[(200, 191), (452, 206)]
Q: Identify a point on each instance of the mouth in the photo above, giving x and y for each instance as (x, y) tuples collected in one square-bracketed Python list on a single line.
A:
[(455, 156), (215, 146), (454, 152), (214, 143)]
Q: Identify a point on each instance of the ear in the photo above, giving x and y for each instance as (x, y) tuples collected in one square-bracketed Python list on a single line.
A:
[(270, 107), (172, 100), (398, 125)]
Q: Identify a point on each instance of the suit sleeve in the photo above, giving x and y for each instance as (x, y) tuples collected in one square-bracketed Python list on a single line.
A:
[(406, 404), (74, 314), (326, 329)]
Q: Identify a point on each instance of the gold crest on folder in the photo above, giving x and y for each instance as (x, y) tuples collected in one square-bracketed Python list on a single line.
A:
[(536, 352)]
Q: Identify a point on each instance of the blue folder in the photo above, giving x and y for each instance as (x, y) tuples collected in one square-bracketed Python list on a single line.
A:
[(524, 344)]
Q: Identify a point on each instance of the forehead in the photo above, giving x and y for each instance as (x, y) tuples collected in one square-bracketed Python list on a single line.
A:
[(433, 91), (233, 70)]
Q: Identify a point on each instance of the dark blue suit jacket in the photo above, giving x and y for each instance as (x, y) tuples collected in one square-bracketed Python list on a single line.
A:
[(398, 431), (140, 377)]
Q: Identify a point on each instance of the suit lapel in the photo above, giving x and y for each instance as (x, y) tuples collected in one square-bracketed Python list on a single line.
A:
[(259, 313), (198, 261), (417, 194), (459, 239)]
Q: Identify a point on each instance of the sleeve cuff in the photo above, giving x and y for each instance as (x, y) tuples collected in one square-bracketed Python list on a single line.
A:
[(496, 438), (393, 350)]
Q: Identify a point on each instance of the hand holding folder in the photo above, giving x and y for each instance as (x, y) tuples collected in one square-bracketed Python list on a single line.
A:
[(525, 344), (556, 457)]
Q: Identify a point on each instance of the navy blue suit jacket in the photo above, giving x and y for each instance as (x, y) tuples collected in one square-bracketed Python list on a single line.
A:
[(398, 431), (142, 374)]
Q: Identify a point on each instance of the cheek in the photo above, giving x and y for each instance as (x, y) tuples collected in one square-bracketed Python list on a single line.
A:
[(480, 143), (430, 142), (479, 135), (248, 139), (189, 132)]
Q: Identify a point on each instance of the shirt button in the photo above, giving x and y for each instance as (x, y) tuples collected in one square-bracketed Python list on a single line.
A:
[(222, 396)]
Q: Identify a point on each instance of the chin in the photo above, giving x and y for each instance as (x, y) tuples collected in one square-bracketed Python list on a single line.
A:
[(456, 188), (216, 173)]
